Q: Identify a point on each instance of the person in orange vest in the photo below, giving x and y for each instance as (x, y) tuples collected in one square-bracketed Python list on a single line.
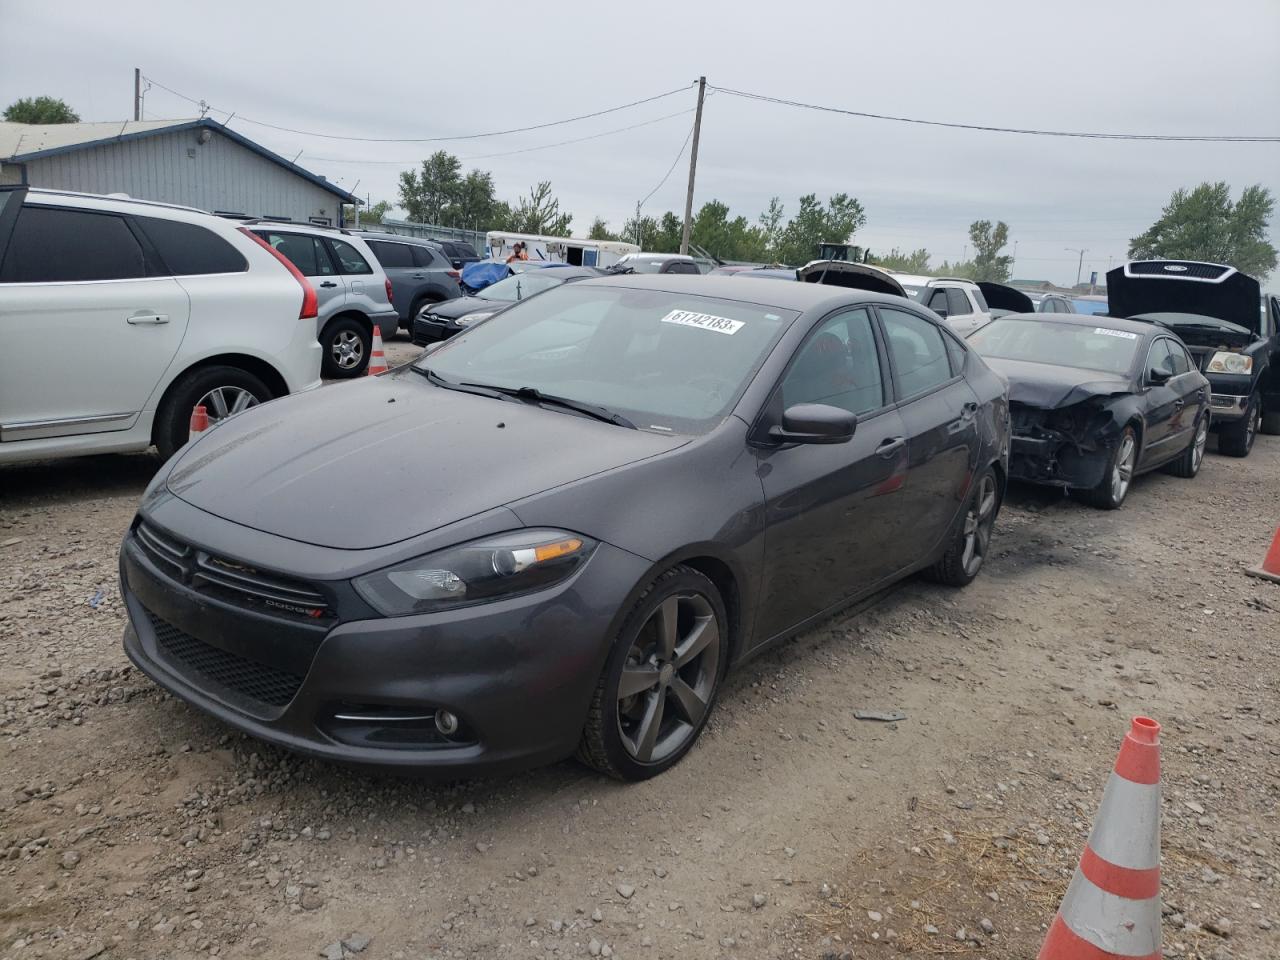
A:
[(518, 252)]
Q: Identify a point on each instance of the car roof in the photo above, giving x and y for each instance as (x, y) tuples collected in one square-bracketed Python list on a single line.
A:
[(657, 256), (569, 272), (1090, 320), (801, 297), (398, 237)]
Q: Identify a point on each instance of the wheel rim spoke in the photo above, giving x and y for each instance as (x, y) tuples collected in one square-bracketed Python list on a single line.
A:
[(704, 632), (668, 617), (650, 724), (244, 400), (637, 679), (686, 702), (218, 400)]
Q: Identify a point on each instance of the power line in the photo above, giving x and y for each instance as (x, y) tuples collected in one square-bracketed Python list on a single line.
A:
[(993, 129), (667, 175), (469, 136)]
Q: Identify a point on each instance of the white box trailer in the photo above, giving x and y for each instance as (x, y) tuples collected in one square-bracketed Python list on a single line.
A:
[(500, 244)]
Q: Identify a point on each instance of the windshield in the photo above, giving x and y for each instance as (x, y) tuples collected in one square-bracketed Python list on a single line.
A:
[(520, 286), (1066, 344), (915, 293), (665, 361)]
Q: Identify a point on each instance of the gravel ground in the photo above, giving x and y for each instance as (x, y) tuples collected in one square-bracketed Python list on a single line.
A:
[(133, 826)]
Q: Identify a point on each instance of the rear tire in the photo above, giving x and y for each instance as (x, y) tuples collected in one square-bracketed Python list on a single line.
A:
[(1188, 463), (968, 551), (659, 685), (1110, 493), (347, 343), (226, 387), (1235, 439)]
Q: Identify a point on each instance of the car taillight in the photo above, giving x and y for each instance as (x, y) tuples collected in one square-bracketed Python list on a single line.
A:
[(390, 297), (310, 303), (455, 274)]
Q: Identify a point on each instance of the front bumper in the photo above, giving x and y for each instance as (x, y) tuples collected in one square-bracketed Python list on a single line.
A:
[(1226, 406), (1057, 463), (518, 673), (428, 329)]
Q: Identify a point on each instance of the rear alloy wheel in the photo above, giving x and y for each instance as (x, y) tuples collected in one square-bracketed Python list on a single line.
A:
[(1114, 486), (1235, 439), (222, 391), (969, 550), (1188, 463), (346, 343), (660, 683)]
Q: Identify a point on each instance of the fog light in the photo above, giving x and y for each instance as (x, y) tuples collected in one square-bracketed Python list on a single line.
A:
[(446, 723)]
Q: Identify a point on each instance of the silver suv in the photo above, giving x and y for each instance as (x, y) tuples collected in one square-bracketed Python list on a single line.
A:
[(352, 287)]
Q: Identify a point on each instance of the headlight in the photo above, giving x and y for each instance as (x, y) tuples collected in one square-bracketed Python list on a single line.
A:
[(1226, 362), (471, 318), (474, 572)]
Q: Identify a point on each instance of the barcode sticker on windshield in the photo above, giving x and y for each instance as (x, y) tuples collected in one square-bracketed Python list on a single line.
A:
[(704, 321), (1123, 334)]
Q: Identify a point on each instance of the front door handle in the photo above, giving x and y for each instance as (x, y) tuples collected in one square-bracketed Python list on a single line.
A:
[(328, 283), (891, 446), (970, 409), (1179, 404), (152, 319), (417, 276)]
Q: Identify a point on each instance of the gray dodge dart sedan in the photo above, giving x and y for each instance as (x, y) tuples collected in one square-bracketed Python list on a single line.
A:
[(580, 515)]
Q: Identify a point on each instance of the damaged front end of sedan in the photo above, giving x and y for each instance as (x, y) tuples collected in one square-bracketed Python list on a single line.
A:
[(1067, 443)]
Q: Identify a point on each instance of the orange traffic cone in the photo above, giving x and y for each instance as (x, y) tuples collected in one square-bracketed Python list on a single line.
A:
[(1270, 568), (377, 359), (1112, 907), (199, 421)]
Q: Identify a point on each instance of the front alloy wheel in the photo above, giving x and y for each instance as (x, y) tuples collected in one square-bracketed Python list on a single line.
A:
[(1114, 486)]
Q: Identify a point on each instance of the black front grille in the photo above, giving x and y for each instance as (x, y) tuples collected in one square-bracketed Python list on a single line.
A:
[(1177, 268), (234, 582), (256, 681)]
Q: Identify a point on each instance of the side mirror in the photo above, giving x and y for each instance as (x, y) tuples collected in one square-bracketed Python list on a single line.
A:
[(814, 423), (1157, 376)]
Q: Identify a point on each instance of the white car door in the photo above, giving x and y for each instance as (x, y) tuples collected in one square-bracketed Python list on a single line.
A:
[(88, 333), (308, 254), (963, 315)]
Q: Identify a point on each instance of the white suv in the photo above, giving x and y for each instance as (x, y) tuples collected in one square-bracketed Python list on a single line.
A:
[(118, 316), (958, 301)]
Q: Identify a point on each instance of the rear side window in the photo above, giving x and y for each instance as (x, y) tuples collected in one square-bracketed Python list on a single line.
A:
[(391, 254), (303, 251), (187, 249), (422, 256), (979, 299), (682, 266), (957, 302), (918, 350), (349, 257), (53, 245), (463, 249)]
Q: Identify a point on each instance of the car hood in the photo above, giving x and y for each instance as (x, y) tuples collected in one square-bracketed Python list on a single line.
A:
[(380, 460), (1050, 386), (858, 276), (1006, 298), (461, 306), (1184, 286)]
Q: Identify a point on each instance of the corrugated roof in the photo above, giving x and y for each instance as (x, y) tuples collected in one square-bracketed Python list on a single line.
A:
[(20, 142)]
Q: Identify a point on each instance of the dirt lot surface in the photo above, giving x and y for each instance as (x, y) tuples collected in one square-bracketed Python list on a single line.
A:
[(133, 826)]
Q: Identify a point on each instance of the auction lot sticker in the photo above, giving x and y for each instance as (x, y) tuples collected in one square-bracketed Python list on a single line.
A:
[(704, 321), (1122, 334)]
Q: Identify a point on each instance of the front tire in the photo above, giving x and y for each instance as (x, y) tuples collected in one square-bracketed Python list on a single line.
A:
[(661, 679), (968, 551), (1188, 463), (222, 390), (347, 343), (1235, 439), (1111, 491)]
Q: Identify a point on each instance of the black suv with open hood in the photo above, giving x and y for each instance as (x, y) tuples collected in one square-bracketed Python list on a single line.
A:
[(1215, 310)]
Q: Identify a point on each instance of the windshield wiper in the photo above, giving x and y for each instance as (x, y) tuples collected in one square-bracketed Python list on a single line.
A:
[(479, 389), (537, 396)]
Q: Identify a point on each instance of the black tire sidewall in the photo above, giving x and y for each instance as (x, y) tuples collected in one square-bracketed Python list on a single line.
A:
[(683, 580), (174, 419), (330, 368), (1102, 495)]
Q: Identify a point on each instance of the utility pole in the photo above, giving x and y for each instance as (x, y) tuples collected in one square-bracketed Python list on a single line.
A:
[(137, 93), (1080, 265), (1014, 265), (693, 168)]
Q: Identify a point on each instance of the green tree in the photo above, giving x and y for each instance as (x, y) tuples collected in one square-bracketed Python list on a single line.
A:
[(917, 261), (728, 239), (988, 241), (961, 268), (40, 110), (427, 195), (370, 214), (1204, 224), (539, 213), (600, 231), (474, 203), (837, 222), (771, 222)]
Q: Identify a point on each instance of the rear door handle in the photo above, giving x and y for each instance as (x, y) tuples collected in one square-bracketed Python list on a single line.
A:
[(891, 446), (417, 276), (1179, 404), (328, 283), (152, 319)]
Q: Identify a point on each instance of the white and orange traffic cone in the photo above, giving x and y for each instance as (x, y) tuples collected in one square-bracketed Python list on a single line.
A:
[(377, 359), (1269, 569), (1111, 910), (199, 421)]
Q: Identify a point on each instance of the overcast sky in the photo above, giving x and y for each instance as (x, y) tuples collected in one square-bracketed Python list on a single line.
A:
[(419, 70)]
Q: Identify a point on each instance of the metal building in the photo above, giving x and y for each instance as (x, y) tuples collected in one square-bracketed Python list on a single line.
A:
[(197, 163)]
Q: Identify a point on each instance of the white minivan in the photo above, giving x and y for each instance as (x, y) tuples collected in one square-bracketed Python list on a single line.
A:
[(119, 316)]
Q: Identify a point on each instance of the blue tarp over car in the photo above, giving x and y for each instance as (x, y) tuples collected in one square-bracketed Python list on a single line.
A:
[(477, 276)]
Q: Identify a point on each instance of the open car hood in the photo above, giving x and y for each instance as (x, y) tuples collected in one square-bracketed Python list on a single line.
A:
[(858, 276), (1184, 286), (1002, 297)]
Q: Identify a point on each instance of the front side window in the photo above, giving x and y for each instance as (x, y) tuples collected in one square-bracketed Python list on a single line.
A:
[(1159, 357), (349, 258), (838, 365), (919, 354), (957, 302), (190, 250), (1181, 362), (391, 254), (56, 245), (671, 362), (938, 301)]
